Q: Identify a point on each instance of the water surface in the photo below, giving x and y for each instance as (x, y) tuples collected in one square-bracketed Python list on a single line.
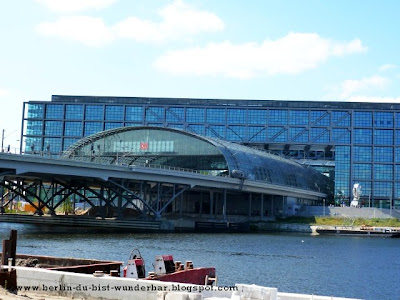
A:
[(358, 267)]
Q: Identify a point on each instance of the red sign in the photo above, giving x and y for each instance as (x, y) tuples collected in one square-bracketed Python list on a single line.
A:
[(144, 146)]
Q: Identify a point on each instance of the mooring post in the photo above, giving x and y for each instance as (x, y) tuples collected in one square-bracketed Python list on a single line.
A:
[(8, 277)]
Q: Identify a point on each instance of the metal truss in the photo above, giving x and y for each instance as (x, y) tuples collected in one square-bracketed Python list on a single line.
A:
[(110, 198)]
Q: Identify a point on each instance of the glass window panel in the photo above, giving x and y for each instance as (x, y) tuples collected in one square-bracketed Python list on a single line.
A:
[(155, 114), (52, 145), (362, 171), (319, 135), (257, 116), (383, 119), (114, 113), (54, 111), (53, 128), (156, 124), (216, 131), (33, 144), (175, 114), (94, 112), (133, 124), (398, 120), (342, 171), (236, 133), (73, 129), (35, 111), (215, 115), (383, 137), (383, 172), (298, 117), (298, 134), (93, 127), (176, 126), (341, 135), (397, 154), (397, 138), (362, 118), (236, 116), (195, 115), (383, 154), (341, 118), (362, 153), (68, 142), (134, 113), (320, 118), (198, 129), (73, 112), (397, 173), (397, 190), (112, 125), (34, 127), (277, 117), (277, 134), (383, 189), (257, 134), (362, 136)]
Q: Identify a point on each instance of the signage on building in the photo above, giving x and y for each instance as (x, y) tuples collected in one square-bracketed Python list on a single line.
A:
[(144, 146)]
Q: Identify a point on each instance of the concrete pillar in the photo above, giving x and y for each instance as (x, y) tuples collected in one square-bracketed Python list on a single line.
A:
[(201, 204), (272, 205), (250, 200), (283, 205), (262, 206), (224, 207), (211, 203), (159, 189), (181, 205)]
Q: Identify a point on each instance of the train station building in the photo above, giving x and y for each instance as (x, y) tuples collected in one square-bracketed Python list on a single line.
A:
[(347, 142)]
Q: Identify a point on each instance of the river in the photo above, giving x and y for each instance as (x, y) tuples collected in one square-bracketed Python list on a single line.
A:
[(358, 267)]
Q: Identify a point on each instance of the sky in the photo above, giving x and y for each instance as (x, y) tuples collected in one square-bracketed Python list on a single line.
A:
[(342, 50)]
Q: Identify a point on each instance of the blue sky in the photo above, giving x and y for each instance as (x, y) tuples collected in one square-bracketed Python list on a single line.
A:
[(259, 49)]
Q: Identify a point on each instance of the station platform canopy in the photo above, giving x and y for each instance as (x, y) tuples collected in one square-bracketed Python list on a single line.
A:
[(173, 148)]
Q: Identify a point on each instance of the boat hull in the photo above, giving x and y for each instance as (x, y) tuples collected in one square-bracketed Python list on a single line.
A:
[(193, 276)]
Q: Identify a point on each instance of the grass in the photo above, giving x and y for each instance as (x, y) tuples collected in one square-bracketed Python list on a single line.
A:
[(341, 221)]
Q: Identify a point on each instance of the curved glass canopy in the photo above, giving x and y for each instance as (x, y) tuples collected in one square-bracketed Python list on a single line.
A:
[(168, 147)]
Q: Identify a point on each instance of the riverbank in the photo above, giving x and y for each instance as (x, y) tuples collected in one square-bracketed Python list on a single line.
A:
[(310, 224), (193, 224)]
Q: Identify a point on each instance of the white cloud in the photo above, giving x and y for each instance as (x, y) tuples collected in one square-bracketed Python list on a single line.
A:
[(87, 30), (387, 67), (294, 53), (179, 20), (349, 87), (67, 6)]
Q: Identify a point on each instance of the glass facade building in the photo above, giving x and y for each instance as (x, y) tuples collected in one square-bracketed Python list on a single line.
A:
[(166, 147), (351, 142)]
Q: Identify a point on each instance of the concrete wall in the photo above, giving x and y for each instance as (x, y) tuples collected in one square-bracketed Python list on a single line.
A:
[(86, 286), (348, 212)]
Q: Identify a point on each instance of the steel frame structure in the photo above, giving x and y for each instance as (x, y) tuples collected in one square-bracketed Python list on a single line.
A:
[(150, 199)]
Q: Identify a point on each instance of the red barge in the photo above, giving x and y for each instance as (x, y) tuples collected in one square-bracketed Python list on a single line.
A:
[(166, 269)]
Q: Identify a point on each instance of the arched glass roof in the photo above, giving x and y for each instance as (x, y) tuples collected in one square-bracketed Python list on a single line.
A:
[(175, 148)]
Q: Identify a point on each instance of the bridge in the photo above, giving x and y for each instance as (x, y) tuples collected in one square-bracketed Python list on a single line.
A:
[(151, 192)]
